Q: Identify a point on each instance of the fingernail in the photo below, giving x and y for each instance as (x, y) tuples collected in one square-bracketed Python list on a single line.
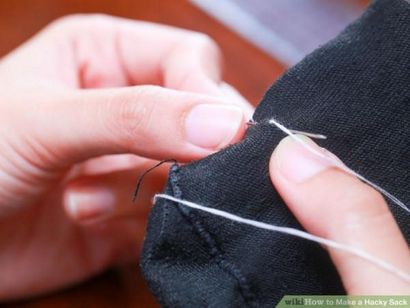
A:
[(213, 126), (90, 203), (296, 163)]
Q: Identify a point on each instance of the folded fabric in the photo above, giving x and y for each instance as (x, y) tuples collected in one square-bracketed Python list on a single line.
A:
[(356, 91)]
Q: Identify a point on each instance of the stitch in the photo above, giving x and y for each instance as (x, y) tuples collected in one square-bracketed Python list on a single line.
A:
[(215, 252), (146, 262), (173, 180), (164, 220)]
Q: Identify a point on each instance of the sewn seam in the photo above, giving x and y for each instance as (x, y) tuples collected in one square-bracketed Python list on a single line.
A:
[(214, 251)]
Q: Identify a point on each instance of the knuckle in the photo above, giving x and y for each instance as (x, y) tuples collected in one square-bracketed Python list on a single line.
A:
[(65, 22), (205, 41), (97, 20), (78, 21), (132, 113)]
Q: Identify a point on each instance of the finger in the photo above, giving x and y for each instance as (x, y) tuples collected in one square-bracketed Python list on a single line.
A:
[(105, 51), (332, 204), (112, 163), (195, 64), (95, 199), (107, 164), (147, 121)]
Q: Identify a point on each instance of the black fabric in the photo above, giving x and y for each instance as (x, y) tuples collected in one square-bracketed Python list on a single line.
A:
[(355, 90)]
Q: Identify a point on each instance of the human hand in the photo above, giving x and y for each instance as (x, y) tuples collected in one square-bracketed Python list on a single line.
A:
[(75, 97), (335, 205)]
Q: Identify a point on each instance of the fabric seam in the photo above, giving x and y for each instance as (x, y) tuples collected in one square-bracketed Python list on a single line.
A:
[(215, 252)]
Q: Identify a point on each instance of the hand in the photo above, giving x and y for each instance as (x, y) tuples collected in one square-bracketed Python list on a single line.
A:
[(333, 204), (76, 96)]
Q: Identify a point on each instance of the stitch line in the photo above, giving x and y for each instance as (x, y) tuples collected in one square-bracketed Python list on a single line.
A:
[(215, 251)]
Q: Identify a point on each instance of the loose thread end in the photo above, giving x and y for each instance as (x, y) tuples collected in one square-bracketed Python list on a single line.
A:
[(142, 176)]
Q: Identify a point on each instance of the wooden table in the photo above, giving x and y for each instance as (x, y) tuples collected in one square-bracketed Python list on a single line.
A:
[(247, 68)]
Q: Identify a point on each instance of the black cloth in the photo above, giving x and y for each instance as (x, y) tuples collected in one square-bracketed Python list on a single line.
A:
[(355, 90)]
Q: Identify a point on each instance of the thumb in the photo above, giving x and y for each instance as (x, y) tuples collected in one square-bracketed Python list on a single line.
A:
[(337, 206), (148, 121)]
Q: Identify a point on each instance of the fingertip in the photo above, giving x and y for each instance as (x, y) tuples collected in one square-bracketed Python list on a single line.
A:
[(277, 153), (214, 126), (333, 204), (293, 163), (85, 204)]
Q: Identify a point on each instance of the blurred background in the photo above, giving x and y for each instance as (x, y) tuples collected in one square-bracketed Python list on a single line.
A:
[(286, 29), (260, 39)]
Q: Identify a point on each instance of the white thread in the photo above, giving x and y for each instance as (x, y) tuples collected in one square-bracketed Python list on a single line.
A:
[(295, 232), (311, 135), (339, 164)]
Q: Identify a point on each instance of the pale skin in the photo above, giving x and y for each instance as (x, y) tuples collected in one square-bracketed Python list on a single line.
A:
[(91, 102)]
